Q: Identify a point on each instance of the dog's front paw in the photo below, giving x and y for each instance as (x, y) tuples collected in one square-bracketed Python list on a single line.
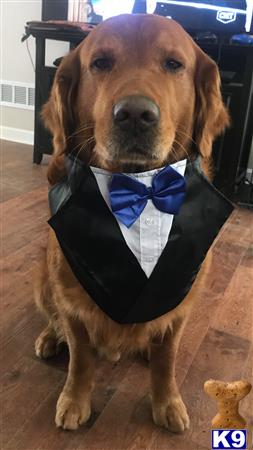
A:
[(46, 344), (71, 413), (172, 415)]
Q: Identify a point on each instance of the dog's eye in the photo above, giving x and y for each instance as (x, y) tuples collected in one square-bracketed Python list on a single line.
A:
[(171, 65), (102, 64)]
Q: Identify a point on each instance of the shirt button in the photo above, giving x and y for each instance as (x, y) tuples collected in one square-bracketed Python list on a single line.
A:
[(149, 221), (150, 259)]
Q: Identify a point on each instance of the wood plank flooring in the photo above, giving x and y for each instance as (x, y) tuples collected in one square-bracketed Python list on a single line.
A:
[(219, 345)]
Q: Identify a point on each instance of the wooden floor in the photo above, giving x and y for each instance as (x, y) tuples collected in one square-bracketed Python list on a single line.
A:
[(218, 345)]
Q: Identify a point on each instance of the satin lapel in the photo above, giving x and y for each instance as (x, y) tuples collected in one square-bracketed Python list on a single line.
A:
[(102, 262), (202, 214)]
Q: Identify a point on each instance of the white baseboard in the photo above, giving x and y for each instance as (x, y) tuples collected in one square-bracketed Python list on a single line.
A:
[(17, 135), (249, 173)]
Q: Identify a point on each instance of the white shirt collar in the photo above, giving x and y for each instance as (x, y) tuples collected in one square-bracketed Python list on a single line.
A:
[(144, 177)]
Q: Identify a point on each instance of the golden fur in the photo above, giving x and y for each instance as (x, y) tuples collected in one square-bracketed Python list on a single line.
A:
[(79, 115)]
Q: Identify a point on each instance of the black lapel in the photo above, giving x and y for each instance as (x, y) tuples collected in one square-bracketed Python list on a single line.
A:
[(95, 248)]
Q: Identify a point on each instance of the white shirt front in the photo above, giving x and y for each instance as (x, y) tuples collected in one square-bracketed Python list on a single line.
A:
[(148, 236)]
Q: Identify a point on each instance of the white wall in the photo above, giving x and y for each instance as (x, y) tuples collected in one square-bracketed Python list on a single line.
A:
[(15, 64)]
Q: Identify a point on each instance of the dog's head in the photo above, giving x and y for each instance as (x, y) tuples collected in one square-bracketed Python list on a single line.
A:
[(136, 94)]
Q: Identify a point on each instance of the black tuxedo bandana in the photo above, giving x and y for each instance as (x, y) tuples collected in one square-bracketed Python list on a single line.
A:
[(92, 242)]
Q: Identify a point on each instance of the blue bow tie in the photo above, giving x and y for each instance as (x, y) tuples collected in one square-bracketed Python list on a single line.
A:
[(129, 196)]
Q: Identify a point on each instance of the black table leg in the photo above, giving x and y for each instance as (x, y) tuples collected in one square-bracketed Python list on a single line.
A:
[(37, 157), (40, 63)]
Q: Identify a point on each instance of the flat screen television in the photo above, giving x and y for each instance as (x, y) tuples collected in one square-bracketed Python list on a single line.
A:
[(218, 16), (223, 17)]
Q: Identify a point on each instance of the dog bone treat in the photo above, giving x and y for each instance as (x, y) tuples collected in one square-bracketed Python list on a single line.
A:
[(228, 396)]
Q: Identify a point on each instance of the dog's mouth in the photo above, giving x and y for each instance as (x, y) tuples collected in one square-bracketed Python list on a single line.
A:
[(134, 159), (137, 159), (136, 165), (132, 153)]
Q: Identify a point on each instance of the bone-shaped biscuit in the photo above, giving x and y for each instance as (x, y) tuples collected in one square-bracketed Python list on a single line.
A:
[(228, 396)]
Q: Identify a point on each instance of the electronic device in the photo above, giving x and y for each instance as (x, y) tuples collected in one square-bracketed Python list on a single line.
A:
[(225, 17)]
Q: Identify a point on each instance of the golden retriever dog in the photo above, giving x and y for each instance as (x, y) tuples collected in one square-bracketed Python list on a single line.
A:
[(137, 56)]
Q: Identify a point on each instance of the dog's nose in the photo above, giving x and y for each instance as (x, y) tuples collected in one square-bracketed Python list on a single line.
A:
[(136, 112)]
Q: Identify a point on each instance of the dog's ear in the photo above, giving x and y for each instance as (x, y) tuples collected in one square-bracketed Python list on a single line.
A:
[(58, 113), (211, 116)]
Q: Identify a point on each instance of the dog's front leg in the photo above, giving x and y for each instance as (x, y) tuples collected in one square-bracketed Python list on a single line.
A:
[(73, 406), (168, 407)]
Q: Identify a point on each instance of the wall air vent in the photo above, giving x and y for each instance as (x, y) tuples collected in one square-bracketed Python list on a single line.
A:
[(17, 95)]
